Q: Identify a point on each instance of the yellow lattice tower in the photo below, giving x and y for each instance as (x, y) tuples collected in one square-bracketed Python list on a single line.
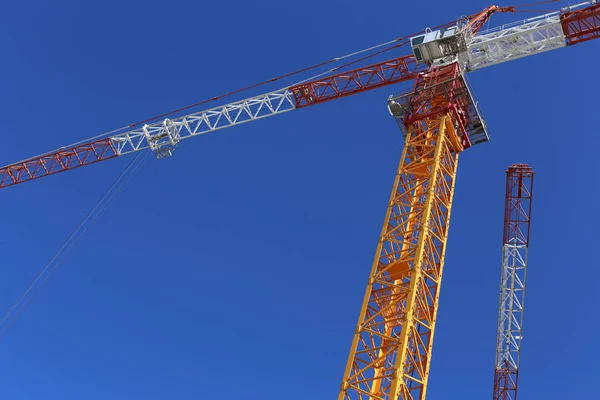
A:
[(391, 350)]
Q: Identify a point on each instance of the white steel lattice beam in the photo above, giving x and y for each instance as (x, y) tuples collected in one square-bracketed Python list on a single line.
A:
[(510, 313), (510, 42), (162, 137)]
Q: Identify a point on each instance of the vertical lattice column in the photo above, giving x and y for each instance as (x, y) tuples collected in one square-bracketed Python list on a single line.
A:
[(391, 350), (517, 217), (390, 356), (392, 343)]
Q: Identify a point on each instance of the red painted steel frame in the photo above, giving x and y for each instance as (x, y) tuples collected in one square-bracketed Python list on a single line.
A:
[(477, 21), (59, 161), (581, 25), (449, 84), (355, 81), (517, 211), (506, 384)]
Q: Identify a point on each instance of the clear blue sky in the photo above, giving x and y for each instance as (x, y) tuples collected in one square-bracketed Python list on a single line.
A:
[(236, 268)]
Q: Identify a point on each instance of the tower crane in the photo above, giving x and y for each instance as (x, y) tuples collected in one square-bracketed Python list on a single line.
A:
[(390, 354), (515, 249)]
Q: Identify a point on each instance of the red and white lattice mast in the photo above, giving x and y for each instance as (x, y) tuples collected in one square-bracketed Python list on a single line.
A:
[(517, 218)]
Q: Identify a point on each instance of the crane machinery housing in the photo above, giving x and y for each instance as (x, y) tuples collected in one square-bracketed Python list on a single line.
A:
[(390, 354)]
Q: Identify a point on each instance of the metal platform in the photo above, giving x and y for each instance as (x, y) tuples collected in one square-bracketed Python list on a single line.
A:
[(409, 107)]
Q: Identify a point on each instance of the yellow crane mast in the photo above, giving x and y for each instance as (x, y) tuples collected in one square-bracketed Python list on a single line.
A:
[(390, 353)]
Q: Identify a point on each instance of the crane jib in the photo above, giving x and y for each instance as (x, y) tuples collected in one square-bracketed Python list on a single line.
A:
[(57, 161), (568, 26)]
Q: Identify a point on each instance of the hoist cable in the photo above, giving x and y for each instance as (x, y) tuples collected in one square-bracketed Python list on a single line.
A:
[(115, 188)]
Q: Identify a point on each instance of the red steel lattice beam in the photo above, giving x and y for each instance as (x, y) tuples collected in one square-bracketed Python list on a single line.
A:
[(355, 81), (517, 212), (505, 384), (581, 25), (55, 162)]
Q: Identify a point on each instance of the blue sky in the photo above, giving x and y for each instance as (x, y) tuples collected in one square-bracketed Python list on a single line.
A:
[(237, 267)]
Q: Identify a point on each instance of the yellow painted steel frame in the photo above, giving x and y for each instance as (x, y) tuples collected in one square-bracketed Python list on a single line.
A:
[(391, 351)]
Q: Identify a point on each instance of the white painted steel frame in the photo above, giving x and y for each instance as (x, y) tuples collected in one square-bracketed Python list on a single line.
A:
[(162, 137), (510, 43), (512, 297), (518, 39)]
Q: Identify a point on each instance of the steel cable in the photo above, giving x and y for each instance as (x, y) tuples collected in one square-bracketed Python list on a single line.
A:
[(100, 206)]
